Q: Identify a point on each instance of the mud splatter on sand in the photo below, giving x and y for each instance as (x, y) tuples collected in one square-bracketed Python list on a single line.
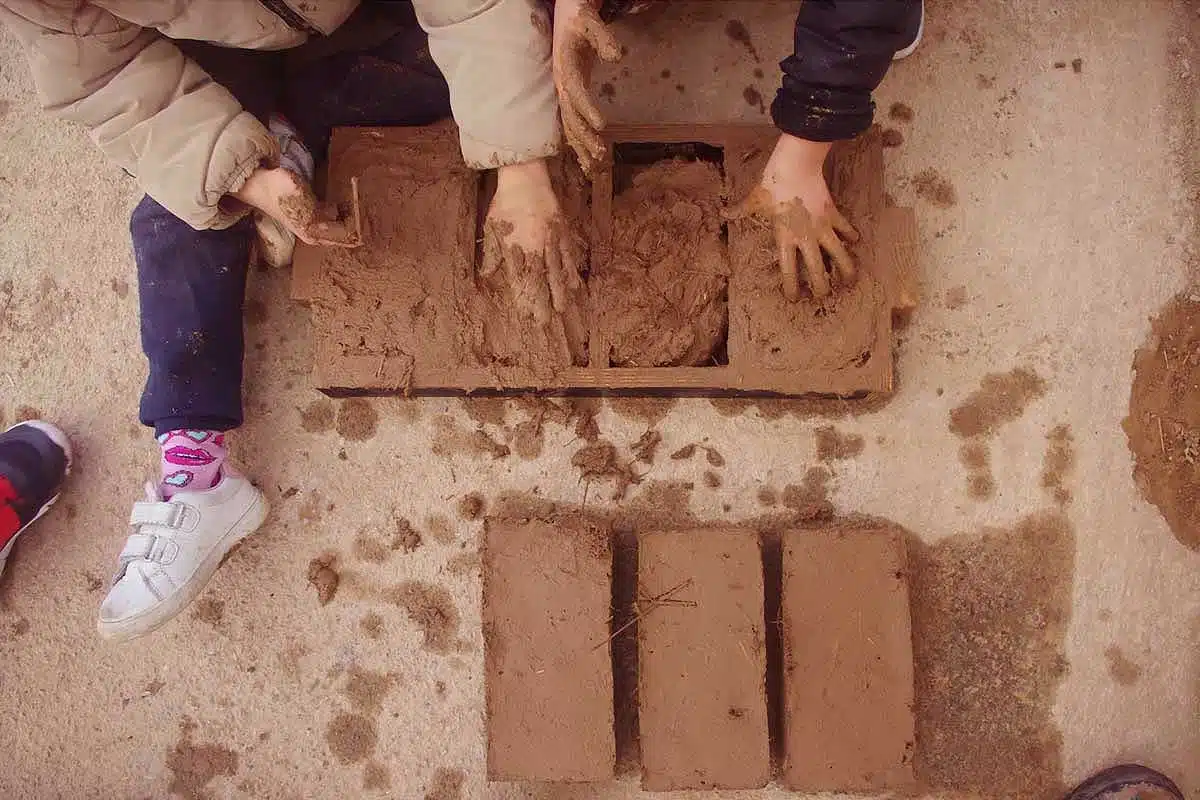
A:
[(901, 112), (930, 185), (736, 30), (446, 784), (1001, 398), (811, 497), (471, 506), (833, 445), (432, 609), (366, 690), (318, 416), (650, 410), (440, 529), (1122, 670), (406, 537), (684, 453), (754, 99), (486, 410), (1058, 463), (598, 461), (323, 577), (976, 457), (956, 297), (370, 548), (376, 777), (645, 448), (357, 420), (990, 612), (371, 625), (193, 766), (351, 738), (209, 610)]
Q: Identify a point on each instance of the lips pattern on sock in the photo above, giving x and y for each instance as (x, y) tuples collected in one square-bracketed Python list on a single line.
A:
[(191, 460)]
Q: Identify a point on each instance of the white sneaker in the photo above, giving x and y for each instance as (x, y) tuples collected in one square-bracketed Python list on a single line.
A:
[(174, 547)]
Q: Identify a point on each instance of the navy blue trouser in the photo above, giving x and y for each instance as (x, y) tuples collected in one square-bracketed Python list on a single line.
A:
[(192, 284)]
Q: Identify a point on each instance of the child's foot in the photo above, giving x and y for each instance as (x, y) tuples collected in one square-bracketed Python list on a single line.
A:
[(916, 29), (35, 458), (174, 547)]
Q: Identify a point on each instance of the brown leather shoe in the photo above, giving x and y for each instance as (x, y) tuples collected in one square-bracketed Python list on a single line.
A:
[(1127, 782)]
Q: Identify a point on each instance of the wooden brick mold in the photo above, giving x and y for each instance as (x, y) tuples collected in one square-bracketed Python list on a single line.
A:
[(408, 312)]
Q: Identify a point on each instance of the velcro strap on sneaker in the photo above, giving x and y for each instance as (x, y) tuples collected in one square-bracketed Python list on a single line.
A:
[(137, 546), (165, 515)]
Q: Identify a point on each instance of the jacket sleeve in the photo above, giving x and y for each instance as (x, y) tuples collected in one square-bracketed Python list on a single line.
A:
[(843, 48), (495, 55), (150, 109)]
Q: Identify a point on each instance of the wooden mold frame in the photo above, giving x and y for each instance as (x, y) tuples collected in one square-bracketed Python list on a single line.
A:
[(885, 254)]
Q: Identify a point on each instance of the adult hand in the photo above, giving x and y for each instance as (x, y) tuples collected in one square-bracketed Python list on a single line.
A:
[(793, 194), (579, 36), (287, 197), (526, 237)]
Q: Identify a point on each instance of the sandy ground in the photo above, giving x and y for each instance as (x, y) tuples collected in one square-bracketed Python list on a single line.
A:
[(1069, 229)]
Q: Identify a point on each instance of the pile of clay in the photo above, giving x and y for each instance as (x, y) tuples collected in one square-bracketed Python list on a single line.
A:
[(662, 296)]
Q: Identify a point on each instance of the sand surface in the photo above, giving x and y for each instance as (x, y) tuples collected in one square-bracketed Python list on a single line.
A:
[(1055, 219)]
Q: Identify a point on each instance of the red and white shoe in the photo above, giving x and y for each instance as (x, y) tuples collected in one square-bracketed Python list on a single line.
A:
[(35, 458)]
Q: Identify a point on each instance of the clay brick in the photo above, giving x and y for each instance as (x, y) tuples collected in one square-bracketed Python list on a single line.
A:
[(847, 654), (702, 661), (547, 596)]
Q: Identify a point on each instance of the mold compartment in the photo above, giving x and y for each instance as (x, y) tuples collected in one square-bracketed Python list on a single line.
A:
[(660, 269)]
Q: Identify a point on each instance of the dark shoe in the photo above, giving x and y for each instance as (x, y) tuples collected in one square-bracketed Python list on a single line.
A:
[(915, 30), (35, 458), (1127, 781)]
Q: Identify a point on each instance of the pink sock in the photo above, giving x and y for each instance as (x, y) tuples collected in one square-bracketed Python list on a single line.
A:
[(191, 460)]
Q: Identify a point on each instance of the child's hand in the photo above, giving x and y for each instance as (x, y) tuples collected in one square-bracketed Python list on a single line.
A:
[(527, 237), (285, 196), (794, 196), (580, 35)]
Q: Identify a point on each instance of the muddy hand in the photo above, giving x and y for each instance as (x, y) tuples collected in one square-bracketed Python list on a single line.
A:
[(793, 195), (526, 237), (564, 254), (284, 195), (579, 36), (524, 271)]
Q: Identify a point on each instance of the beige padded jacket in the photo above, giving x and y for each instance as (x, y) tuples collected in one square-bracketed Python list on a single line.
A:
[(110, 66)]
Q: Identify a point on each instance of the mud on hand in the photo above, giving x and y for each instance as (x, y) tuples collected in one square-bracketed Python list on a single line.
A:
[(540, 281), (315, 223), (802, 236), (579, 36)]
